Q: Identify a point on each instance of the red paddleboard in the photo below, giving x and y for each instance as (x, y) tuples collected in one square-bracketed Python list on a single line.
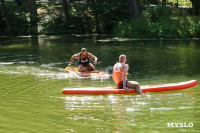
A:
[(85, 74), (148, 88)]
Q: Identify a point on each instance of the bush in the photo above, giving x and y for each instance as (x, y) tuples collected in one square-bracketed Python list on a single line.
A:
[(141, 27), (196, 27), (155, 22), (164, 28), (154, 13), (184, 28), (19, 23), (159, 22), (53, 25), (123, 29), (18, 19)]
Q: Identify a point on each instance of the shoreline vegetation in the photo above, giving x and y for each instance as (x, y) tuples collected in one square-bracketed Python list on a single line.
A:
[(118, 19), (103, 38)]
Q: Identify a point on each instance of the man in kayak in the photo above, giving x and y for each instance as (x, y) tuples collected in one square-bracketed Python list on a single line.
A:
[(120, 71), (84, 60)]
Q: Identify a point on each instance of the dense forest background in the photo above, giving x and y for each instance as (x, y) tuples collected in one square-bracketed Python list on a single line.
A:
[(122, 18)]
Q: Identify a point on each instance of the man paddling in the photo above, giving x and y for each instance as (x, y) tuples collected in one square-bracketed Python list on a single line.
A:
[(120, 71), (84, 60)]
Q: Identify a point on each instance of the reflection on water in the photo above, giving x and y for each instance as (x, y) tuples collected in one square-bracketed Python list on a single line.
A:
[(32, 77), (131, 112)]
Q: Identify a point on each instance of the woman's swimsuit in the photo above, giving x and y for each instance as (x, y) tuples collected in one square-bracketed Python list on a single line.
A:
[(84, 61)]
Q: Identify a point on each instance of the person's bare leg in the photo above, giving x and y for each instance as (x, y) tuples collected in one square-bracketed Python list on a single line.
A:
[(81, 68), (90, 67), (134, 85)]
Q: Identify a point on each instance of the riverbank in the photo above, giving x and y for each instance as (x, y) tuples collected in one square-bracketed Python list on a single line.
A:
[(102, 38)]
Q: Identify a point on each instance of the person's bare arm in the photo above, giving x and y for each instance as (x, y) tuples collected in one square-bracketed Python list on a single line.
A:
[(93, 57), (113, 75), (72, 59), (126, 67)]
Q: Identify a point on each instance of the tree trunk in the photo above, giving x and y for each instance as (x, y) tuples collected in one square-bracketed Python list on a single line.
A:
[(19, 3), (99, 2), (96, 19), (71, 1), (65, 8), (93, 1), (134, 8), (163, 1), (6, 16), (88, 2), (32, 7), (196, 6), (33, 16)]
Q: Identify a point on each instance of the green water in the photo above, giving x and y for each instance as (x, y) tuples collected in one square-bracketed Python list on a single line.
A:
[(32, 77)]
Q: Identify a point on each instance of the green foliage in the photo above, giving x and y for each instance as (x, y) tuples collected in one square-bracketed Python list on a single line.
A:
[(154, 13), (105, 17), (52, 20), (123, 29), (53, 25), (18, 19), (196, 27), (184, 28), (164, 28), (19, 23), (159, 22), (153, 23), (99, 17), (139, 28)]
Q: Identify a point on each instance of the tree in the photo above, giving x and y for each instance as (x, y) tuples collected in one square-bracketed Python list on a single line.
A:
[(65, 8), (71, 1), (96, 16), (19, 3), (6, 16), (134, 8), (33, 16), (88, 1), (196, 6), (164, 1)]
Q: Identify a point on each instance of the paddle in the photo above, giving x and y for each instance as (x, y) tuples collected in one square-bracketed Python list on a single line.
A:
[(75, 71), (98, 62)]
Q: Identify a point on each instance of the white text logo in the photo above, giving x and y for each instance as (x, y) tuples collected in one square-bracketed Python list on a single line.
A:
[(179, 124)]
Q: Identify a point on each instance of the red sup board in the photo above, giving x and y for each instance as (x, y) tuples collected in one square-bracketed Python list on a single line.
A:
[(148, 88)]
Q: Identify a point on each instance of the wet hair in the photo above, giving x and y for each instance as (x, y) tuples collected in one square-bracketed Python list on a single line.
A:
[(83, 49), (122, 57)]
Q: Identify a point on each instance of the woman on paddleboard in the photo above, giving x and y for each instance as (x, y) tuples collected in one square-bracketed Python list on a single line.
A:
[(120, 71), (84, 60)]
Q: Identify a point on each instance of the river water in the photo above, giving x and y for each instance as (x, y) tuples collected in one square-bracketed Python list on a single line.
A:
[(32, 78)]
